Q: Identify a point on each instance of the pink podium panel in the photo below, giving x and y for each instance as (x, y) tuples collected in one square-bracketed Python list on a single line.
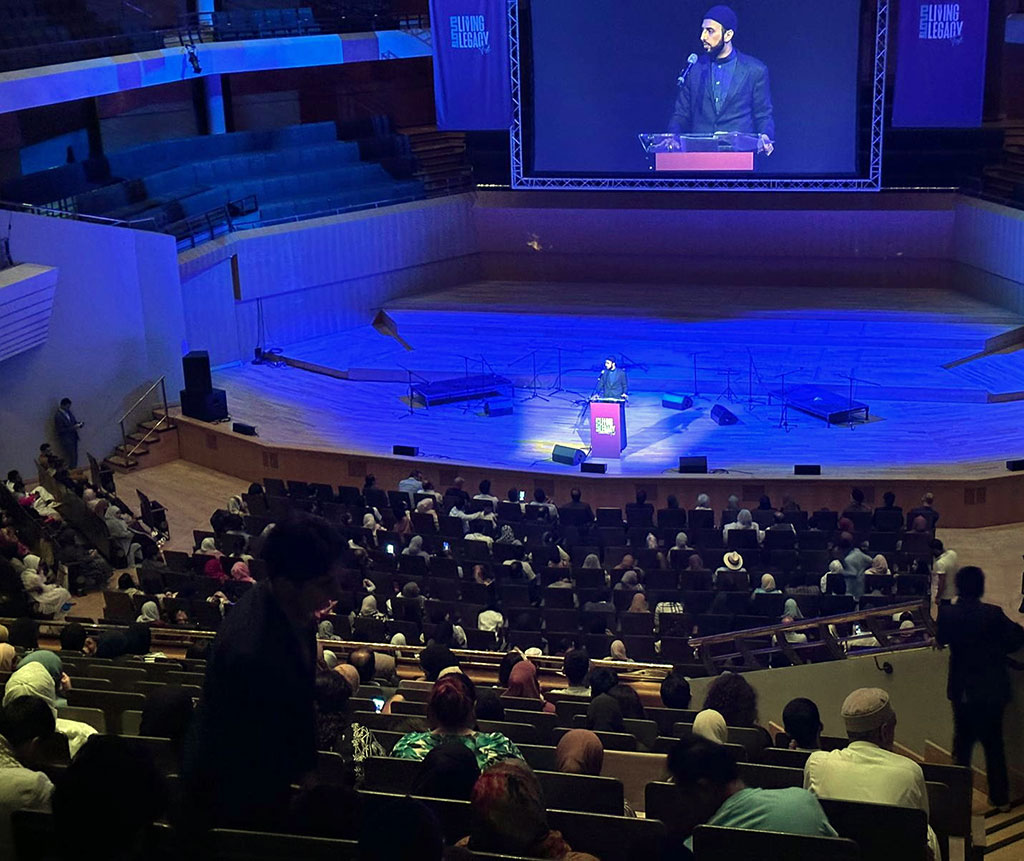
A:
[(704, 161), (607, 428)]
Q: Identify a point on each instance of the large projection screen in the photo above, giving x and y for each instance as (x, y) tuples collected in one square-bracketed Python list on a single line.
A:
[(784, 95)]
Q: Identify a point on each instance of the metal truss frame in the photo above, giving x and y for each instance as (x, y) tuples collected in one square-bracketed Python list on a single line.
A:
[(871, 182)]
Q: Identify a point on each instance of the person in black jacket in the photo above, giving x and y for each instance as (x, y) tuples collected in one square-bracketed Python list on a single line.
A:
[(979, 637), (255, 729), (725, 91)]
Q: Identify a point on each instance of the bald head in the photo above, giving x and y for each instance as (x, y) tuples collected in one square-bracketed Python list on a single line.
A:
[(364, 661)]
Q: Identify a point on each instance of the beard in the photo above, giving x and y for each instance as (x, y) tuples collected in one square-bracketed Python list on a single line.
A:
[(714, 51)]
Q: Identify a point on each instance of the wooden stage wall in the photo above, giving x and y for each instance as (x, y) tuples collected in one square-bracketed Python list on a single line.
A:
[(961, 502)]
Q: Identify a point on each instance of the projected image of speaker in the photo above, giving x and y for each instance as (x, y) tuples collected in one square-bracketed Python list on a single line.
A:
[(695, 465), (722, 416), (196, 369), (568, 455), (211, 406)]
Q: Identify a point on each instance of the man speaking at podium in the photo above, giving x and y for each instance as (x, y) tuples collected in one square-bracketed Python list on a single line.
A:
[(727, 91), (612, 382)]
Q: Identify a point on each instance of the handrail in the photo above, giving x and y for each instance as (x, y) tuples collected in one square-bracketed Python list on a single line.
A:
[(36, 209), (126, 453)]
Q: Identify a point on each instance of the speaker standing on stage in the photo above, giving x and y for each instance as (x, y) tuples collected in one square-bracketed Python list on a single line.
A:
[(612, 383), (727, 91)]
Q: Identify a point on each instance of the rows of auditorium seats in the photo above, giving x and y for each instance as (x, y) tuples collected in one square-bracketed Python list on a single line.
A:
[(263, 23), (290, 172), (45, 32), (110, 695)]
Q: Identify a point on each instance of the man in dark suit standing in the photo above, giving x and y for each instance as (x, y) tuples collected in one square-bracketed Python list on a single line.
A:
[(726, 91), (612, 382), (979, 637), (67, 426)]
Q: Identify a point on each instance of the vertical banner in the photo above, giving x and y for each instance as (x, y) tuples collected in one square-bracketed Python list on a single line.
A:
[(471, 64), (940, 64)]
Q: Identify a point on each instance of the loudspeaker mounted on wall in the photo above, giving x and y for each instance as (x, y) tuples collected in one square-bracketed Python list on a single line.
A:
[(568, 455), (406, 450), (722, 416), (807, 469), (588, 466), (693, 465)]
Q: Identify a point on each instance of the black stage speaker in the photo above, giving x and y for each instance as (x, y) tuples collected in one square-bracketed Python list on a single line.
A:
[(587, 466), (807, 469), (722, 416), (196, 368), (498, 407), (1015, 465), (693, 464), (676, 402), (211, 406), (405, 450), (243, 428), (568, 455)]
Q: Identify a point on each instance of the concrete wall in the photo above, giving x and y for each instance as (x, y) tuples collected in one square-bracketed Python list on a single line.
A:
[(319, 277), (117, 325), (990, 239)]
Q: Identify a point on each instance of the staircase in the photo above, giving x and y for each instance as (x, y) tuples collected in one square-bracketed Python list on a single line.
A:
[(439, 160), (1005, 181), (1004, 833), (154, 441)]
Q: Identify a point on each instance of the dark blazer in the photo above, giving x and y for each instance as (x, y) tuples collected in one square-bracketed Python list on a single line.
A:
[(613, 383), (65, 425), (747, 106), (576, 514), (979, 637)]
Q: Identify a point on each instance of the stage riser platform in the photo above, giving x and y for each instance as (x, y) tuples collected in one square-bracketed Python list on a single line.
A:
[(962, 502)]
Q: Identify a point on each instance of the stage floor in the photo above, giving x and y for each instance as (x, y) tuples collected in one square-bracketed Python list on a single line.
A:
[(925, 420)]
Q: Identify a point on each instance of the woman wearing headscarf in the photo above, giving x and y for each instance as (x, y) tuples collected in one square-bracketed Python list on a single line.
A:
[(630, 582), (121, 536), (604, 714), (448, 771), (680, 551), (639, 604), (371, 525), (426, 506), (34, 680), (240, 572), (522, 682), (744, 520), (368, 609), (150, 614), (7, 654), (710, 724), (4, 633), (335, 729), (113, 644), (879, 566), (767, 585), (47, 598), (579, 751), (591, 562), (507, 536), (832, 581), (617, 652), (325, 631), (415, 548), (509, 816), (451, 714)]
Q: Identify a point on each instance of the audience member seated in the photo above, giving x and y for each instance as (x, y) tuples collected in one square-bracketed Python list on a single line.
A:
[(337, 731), (867, 769), (712, 793), (549, 511), (731, 576), (703, 502), (7, 656), (580, 751), (856, 504), (802, 722), (767, 586), (411, 484), (744, 521), (639, 604), (675, 690), (617, 652), (630, 582), (47, 597), (888, 517), (522, 682), (736, 700), (167, 713), (34, 680), (448, 771), (605, 714), (629, 701), (927, 511), (641, 512), (451, 714), (25, 724), (509, 816), (710, 724), (105, 804), (575, 667), (679, 554), (489, 705), (833, 581), (456, 491), (505, 667), (401, 830), (52, 663), (602, 680), (485, 494), (576, 512)]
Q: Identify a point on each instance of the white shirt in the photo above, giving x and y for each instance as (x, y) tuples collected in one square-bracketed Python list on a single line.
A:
[(863, 771), (948, 565), (20, 789)]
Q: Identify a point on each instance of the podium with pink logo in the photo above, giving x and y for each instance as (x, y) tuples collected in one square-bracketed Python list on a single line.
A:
[(607, 427)]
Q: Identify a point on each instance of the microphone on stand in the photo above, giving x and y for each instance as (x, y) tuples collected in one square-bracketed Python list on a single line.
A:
[(691, 61)]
